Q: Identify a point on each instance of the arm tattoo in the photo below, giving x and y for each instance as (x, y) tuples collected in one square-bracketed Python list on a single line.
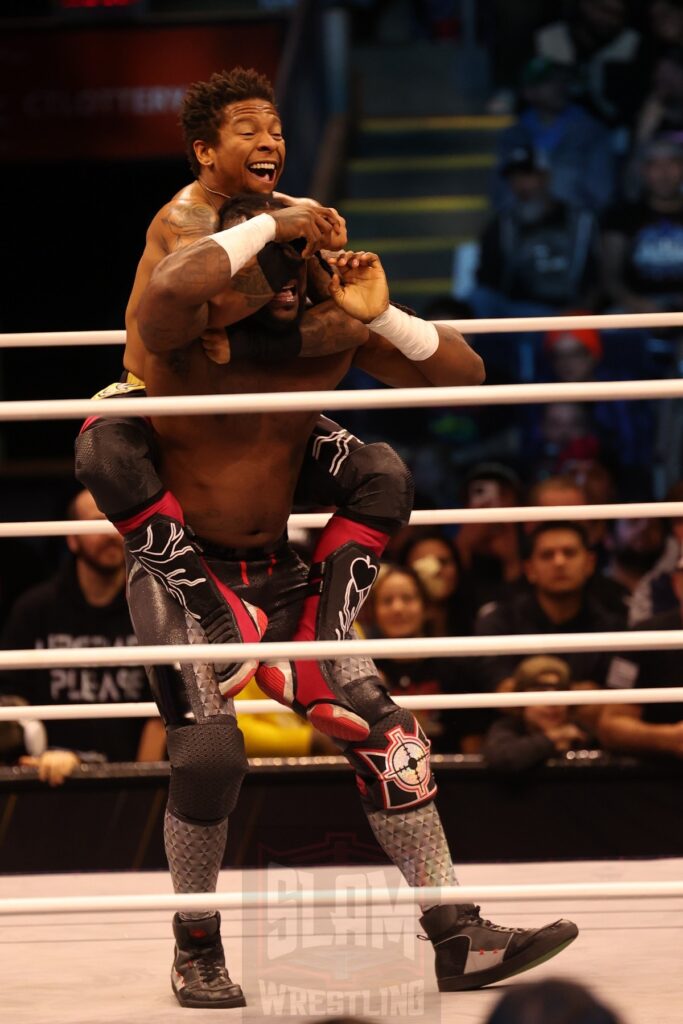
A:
[(189, 221), (251, 283), (326, 330)]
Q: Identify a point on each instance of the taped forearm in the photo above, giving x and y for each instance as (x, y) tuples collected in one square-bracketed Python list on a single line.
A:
[(417, 339)]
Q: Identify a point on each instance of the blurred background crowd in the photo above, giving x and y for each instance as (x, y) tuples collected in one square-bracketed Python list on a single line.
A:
[(504, 159)]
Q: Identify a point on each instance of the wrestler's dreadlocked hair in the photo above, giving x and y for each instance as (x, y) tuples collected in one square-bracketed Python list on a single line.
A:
[(201, 112)]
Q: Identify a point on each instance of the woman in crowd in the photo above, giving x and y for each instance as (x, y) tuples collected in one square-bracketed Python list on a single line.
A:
[(400, 609)]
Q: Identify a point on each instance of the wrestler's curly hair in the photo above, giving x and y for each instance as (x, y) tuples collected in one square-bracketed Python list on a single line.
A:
[(201, 112)]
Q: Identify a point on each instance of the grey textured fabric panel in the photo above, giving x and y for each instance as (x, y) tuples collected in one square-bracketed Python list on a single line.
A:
[(415, 842), (195, 854), (213, 701), (351, 670)]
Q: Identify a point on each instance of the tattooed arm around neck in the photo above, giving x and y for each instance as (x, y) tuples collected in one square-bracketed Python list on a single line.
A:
[(180, 223), (174, 309)]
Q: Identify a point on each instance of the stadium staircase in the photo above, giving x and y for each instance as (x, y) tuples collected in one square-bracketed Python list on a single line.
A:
[(418, 174)]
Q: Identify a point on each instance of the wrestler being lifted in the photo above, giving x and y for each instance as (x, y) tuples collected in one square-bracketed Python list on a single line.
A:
[(234, 141), (235, 476)]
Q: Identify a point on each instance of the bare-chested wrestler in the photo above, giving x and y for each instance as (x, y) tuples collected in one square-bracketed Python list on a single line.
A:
[(235, 477), (234, 140)]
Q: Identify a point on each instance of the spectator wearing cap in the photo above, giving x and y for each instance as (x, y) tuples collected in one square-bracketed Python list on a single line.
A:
[(625, 431), (528, 737), (647, 728), (558, 570), (577, 147), (490, 553), (574, 355), (643, 240), (538, 253)]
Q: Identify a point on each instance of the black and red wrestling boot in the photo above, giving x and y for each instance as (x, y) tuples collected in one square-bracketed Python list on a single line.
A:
[(199, 976), (471, 952)]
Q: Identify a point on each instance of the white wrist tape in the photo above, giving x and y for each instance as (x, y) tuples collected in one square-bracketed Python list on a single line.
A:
[(417, 339), (245, 240)]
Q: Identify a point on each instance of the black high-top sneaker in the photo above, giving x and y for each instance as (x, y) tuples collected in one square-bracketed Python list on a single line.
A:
[(472, 952), (199, 976)]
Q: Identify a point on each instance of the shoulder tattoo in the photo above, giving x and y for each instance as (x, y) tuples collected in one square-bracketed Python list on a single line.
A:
[(189, 221)]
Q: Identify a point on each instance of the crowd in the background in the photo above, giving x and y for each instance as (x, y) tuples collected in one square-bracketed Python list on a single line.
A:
[(586, 216), (548, 576), (483, 580)]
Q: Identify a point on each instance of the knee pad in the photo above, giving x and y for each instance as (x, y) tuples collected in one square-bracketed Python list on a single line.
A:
[(208, 764), (378, 487), (115, 461), (393, 770)]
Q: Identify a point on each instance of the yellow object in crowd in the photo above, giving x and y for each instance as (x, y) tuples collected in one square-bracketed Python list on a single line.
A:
[(280, 734)]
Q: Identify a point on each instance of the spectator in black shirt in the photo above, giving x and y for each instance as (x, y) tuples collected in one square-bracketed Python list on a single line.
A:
[(528, 737), (84, 605), (647, 728), (643, 241), (538, 253), (558, 568), (635, 546)]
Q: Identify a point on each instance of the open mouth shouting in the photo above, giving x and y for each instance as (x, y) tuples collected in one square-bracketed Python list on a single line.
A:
[(287, 298), (264, 170)]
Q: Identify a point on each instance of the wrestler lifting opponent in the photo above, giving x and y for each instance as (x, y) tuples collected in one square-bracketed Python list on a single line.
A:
[(235, 477), (235, 143)]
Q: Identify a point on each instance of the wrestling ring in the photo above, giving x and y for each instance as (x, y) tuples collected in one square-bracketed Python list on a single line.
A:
[(315, 943)]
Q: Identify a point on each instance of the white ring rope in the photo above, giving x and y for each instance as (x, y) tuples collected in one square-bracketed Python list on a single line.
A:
[(427, 702), (61, 339), (340, 898), (322, 650), (426, 517), (315, 401), (497, 325)]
